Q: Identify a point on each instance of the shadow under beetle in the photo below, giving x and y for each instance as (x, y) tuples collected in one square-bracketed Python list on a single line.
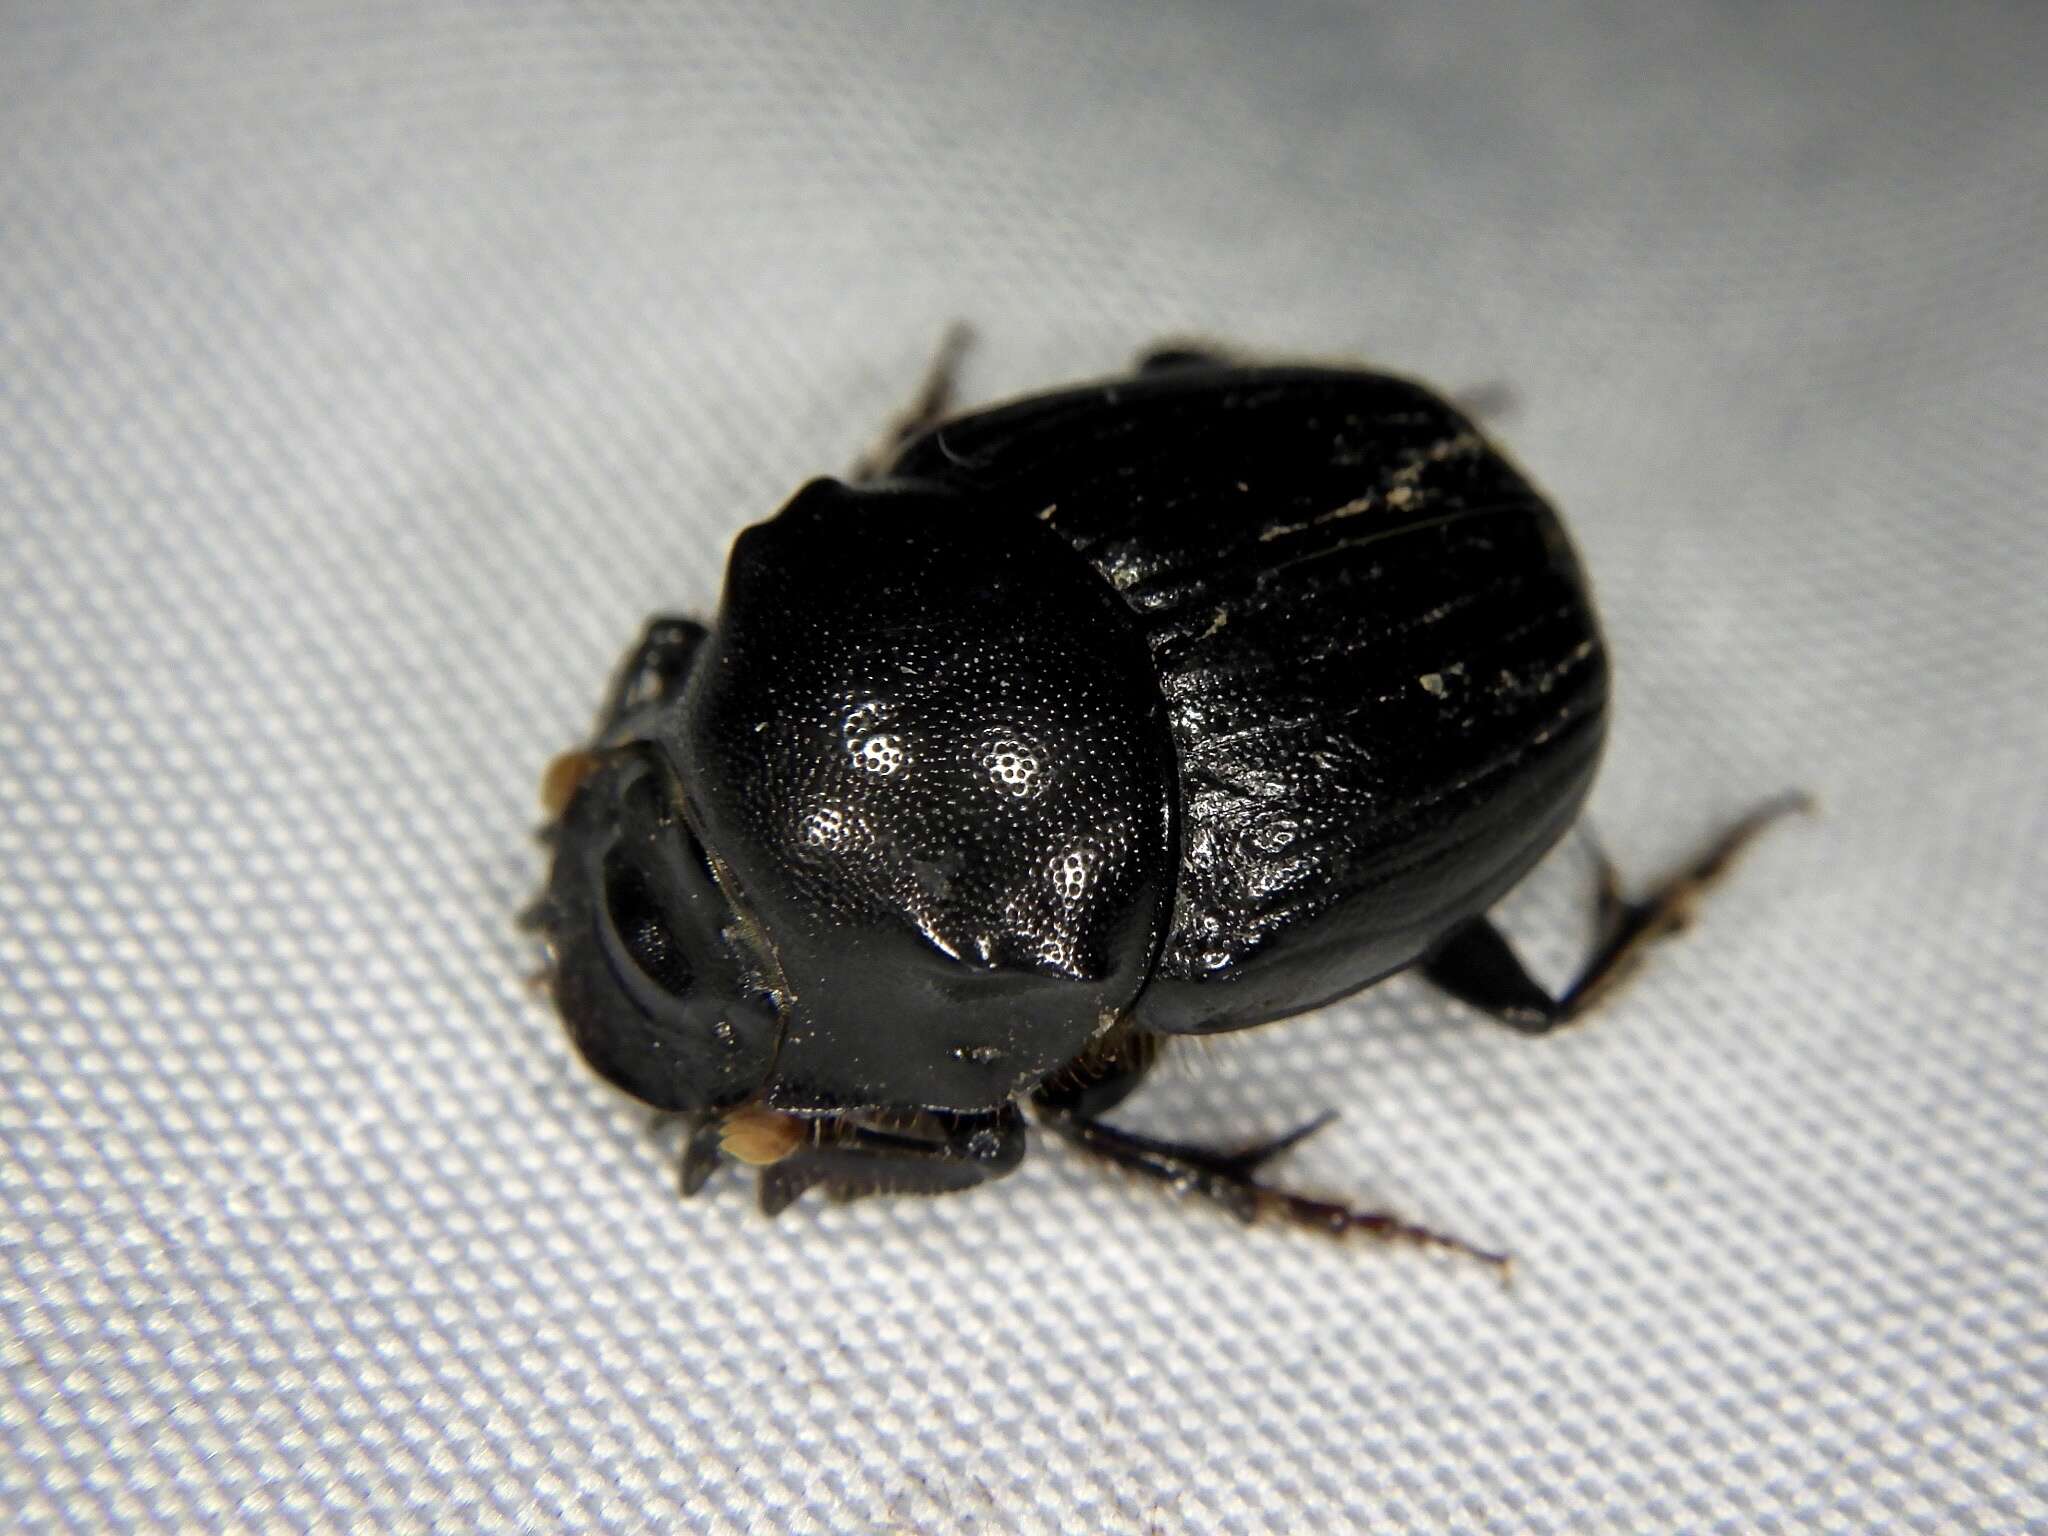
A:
[(1166, 705)]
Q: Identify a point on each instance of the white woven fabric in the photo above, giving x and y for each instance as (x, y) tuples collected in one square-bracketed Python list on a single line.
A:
[(367, 372)]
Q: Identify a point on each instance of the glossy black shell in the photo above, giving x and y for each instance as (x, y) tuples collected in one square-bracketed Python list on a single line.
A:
[(926, 747), (1382, 674), (1183, 701)]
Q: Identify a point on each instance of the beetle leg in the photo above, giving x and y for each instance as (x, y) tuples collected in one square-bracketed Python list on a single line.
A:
[(1103, 1075), (1487, 403), (1477, 966), (932, 404), (924, 1153), (1259, 1153), (702, 1152), (654, 670), (1174, 352), (1226, 1178), (1484, 403), (1071, 1100)]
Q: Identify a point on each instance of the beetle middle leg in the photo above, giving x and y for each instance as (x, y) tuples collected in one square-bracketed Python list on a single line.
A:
[(1070, 1103), (1477, 965), (923, 1152)]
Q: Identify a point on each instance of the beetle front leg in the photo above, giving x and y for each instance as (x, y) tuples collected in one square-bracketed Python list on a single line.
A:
[(922, 1152), (1477, 966)]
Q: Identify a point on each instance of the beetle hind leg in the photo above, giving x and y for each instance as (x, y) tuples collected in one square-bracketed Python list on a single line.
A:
[(1477, 965)]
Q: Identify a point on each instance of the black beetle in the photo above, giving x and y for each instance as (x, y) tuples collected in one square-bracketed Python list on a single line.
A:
[(1171, 704)]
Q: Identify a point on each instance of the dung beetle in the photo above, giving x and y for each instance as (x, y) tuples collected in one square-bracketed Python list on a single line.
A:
[(1165, 705)]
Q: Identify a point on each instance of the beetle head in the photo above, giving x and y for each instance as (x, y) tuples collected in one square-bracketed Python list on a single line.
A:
[(649, 969)]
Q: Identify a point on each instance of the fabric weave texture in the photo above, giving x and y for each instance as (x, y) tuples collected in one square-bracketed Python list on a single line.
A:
[(368, 372)]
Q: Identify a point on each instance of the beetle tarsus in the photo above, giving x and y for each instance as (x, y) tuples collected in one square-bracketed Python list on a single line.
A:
[(1337, 1219)]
